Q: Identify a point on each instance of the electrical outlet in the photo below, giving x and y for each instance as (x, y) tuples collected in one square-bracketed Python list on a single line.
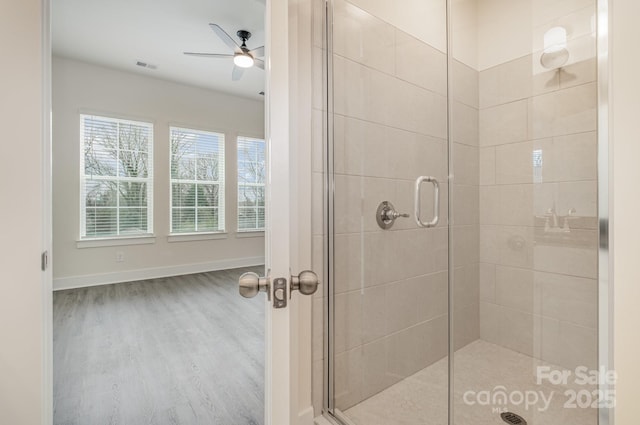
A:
[(119, 257)]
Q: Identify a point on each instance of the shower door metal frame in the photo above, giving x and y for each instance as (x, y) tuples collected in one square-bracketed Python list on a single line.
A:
[(606, 414), (328, 384), (605, 266)]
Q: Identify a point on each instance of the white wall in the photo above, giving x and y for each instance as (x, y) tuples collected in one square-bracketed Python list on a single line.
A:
[(24, 295), (625, 61), (80, 87)]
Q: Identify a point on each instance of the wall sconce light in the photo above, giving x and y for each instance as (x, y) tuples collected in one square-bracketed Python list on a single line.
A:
[(555, 54)]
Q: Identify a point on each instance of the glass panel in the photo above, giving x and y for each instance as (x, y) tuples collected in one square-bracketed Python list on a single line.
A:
[(133, 220), (260, 218), (197, 178), (183, 220), (133, 137), (133, 194), (208, 167), (494, 311), (251, 174), (133, 164), (247, 218), (100, 146), (208, 195), (101, 221), (525, 192), (183, 167), (101, 193), (389, 292), (247, 196), (117, 174), (207, 219), (183, 194)]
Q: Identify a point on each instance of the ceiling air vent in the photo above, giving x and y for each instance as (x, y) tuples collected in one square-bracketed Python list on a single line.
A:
[(146, 65)]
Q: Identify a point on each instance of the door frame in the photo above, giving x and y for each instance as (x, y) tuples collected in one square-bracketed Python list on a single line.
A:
[(287, 395)]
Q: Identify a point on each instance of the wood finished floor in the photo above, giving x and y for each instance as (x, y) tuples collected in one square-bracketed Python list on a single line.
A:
[(181, 350)]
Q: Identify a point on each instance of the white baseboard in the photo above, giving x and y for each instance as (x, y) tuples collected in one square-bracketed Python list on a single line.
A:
[(73, 282), (305, 417)]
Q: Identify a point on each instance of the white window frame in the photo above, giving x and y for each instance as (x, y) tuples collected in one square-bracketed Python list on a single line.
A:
[(148, 180), (221, 183), (239, 185)]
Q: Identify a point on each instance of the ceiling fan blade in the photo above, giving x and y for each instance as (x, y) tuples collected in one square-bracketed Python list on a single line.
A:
[(226, 38), (237, 73), (258, 52), (259, 63), (208, 55)]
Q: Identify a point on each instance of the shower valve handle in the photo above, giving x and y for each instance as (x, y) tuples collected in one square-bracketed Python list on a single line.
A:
[(396, 214), (386, 215)]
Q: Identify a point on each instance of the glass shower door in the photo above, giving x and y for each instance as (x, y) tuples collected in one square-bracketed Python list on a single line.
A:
[(388, 282), (489, 109)]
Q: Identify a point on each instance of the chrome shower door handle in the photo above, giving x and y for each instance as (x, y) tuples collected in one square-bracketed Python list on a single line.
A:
[(436, 201)]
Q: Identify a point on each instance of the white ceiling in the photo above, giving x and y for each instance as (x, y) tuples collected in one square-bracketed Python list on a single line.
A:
[(118, 33)]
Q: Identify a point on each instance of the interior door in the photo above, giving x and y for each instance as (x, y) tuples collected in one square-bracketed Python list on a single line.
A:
[(278, 321), (282, 317)]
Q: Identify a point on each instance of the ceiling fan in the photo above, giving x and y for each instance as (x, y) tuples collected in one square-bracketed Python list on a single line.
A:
[(243, 58)]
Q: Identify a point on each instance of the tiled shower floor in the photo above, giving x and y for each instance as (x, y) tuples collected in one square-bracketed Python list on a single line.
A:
[(421, 399)]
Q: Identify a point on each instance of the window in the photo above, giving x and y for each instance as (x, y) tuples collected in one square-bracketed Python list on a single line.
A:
[(251, 173), (197, 181), (537, 165), (117, 177)]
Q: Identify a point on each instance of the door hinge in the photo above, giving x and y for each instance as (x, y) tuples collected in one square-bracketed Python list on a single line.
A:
[(44, 261)]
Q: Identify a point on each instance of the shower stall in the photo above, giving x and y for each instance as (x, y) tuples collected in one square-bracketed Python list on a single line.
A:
[(457, 222)]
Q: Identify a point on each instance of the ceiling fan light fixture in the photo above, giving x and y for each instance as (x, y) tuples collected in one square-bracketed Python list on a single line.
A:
[(243, 60)]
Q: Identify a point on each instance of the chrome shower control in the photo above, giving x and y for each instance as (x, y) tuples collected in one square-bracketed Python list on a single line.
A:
[(386, 215)]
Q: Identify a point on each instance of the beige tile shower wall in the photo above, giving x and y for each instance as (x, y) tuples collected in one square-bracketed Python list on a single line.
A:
[(511, 29), (390, 127), (538, 209), (465, 203)]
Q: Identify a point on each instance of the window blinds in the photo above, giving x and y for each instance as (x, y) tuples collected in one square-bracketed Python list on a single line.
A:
[(116, 177), (251, 188), (197, 181)]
